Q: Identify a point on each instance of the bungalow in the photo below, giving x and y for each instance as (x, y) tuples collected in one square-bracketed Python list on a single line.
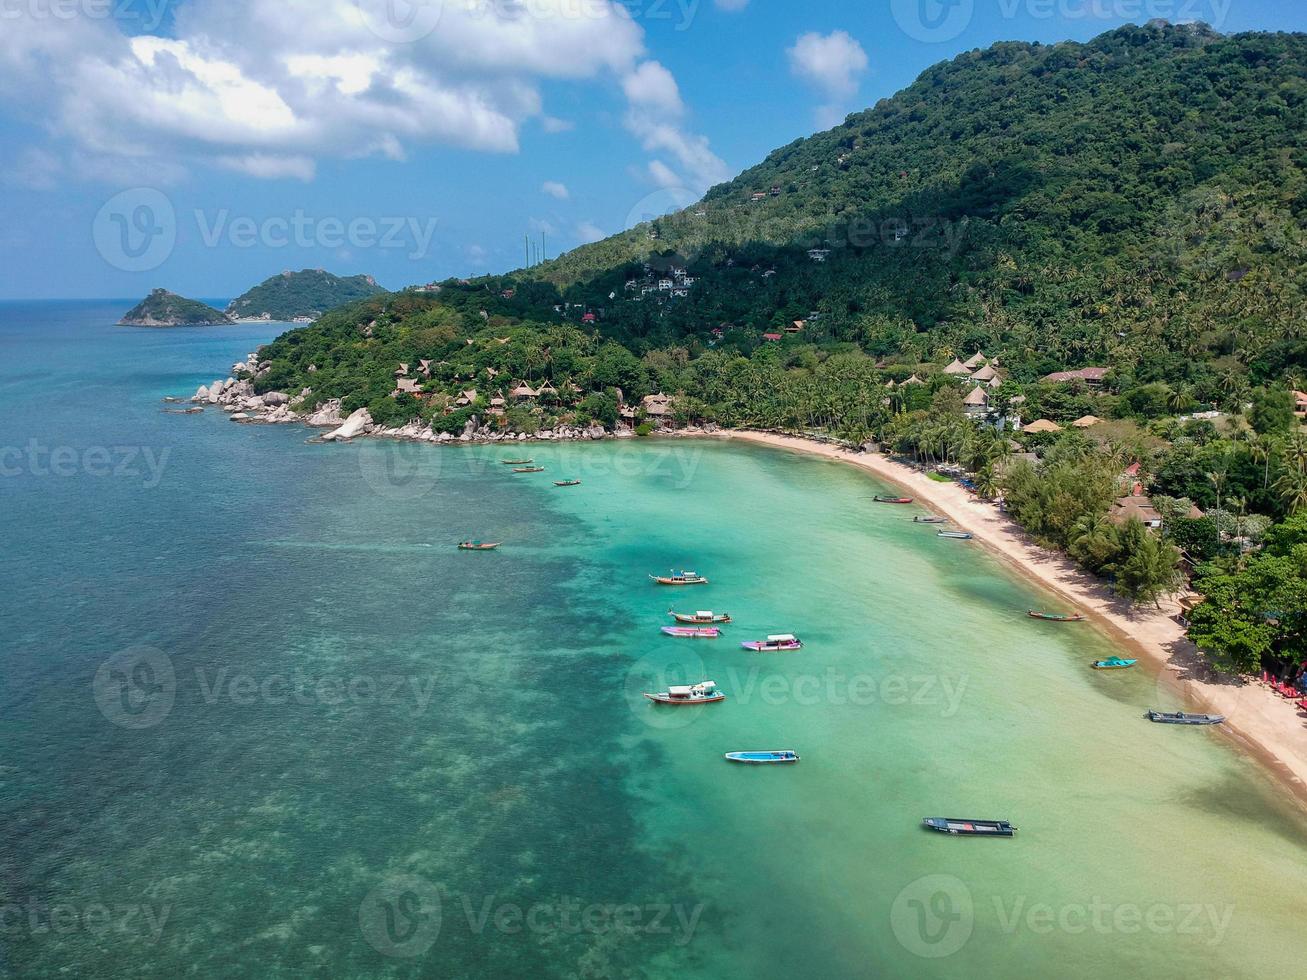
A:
[(771, 337), (406, 386), (424, 368), (688, 280), (985, 374), (680, 291), (547, 391), (977, 402), (957, 369), (759, 196), (466, 398), (796, 327), (1300, 404), (588, 318), (401, 371), (1092, 376), (818, 254), (630, 285), (523, 390), (508, 293), (1136, 505), (1040, 426), (657, 405), (776, 190), (717, 331), (977, 360), (664, 284), (769, 273), (1086, 422), (914, 380)]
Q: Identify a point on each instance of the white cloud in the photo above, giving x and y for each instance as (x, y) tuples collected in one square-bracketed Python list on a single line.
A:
[(652, 86), (552, 124), (663, 175), (270, 167), (554, 189), (588, 232), (34, 170), (655, 117), (832, 62)]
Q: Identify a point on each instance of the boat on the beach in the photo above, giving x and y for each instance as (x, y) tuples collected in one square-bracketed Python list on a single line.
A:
[(693, 632), (703, 617), (955, 535), (567, 483), (529, 469), (1113, 663), (882, 499), (770, 757), (517, 462), (478, 545), (779, 643), (704, 692), (969, 828), (1183, 718), (680, 578), (930, 520), (1071, 617)]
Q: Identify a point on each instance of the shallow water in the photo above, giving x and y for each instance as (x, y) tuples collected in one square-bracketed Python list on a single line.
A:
[(257, 708)]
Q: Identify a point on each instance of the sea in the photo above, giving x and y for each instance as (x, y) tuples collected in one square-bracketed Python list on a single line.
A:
[(260, 718)]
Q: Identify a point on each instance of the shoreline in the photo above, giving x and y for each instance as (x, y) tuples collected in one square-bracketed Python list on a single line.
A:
[(1259, 723)]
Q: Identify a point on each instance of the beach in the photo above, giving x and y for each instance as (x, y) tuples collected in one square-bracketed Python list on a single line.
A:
[(1264, 725)]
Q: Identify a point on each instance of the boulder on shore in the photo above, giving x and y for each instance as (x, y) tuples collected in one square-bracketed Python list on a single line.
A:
[(354, 425)]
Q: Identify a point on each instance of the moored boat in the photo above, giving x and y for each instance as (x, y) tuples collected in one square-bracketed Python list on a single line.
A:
[(1071, 617), (567, 483), (704, 692), (693, 632), (771, 757), (478, 545), (969, 828), (955, 535), (882, 499), (517, 462), (930, 520), (777, 643), (1113, 663), (680, 578), (703, 617), (1183, 718), (529, 469)]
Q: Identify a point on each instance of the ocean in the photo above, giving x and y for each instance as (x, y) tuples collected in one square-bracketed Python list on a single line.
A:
[(260, 718)]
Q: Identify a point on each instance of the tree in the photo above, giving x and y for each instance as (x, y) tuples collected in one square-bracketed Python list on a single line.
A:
[(1272, 411), (1146, 567), (1254, 614)]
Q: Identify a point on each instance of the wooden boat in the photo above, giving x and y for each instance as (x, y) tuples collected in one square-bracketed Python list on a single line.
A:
[(478, 546), (680, 578), (517, 462), (969, 828), (567, 483), (702, 693), (529, 469), (1113, 663), (771, 757), (881, 499), (1182, 718), (778, 643), (955, 535), (1072, 617), (703, 617), (930, 520), (693, 632)]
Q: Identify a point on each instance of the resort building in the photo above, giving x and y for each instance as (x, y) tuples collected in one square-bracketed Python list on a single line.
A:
[(1092, 376), (1041, 425), (957, 369)]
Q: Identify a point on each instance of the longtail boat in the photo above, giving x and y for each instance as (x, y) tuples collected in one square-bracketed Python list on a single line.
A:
[(1113, 663), (1071, 617), (703, 617), (930, 520), (969, 828), (778, 643), (529, 469), (517, 462), (478, 545), (1181, 718), (702, 693), (770, 757), (955, 535), (567, 483), (693, 632), (881, 499), (680, 578)]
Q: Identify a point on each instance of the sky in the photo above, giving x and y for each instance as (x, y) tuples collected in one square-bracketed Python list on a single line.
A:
[(205, 145)]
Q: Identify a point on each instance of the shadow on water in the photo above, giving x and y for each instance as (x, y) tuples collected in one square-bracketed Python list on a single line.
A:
[(1235, 796)]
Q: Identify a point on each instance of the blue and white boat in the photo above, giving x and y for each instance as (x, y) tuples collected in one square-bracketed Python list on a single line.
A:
[(770, 757)]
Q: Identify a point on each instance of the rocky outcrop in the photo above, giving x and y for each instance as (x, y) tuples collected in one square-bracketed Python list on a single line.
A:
[(355, 425)]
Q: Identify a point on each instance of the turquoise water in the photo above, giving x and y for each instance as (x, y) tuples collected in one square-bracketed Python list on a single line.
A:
[(259, 718)]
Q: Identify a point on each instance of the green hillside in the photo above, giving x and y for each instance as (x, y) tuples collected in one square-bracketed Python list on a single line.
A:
[(164, 309), (309, 293)]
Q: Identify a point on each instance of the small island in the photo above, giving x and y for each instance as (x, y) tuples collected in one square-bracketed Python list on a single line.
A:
[(164, 309), (301, 296)]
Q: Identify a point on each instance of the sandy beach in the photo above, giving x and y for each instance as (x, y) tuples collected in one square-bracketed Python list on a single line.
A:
[(1261, 723)]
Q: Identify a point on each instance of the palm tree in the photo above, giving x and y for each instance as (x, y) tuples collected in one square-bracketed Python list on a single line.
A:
[(1293, 488)]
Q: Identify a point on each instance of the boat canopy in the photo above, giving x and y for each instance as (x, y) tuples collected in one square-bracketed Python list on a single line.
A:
[(704, 614), (782, 638), (680, 692)]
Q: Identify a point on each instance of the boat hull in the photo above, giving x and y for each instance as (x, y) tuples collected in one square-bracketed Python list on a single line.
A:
[(757, 647), (777, 757), (1057, 617), (687, 633), (695, 621), (1108, 665), (679, 581), (892, 500), (667, 699), (963, 827), (1182, 718)]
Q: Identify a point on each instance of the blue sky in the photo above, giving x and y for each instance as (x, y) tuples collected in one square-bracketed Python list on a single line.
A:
[(204, 145)]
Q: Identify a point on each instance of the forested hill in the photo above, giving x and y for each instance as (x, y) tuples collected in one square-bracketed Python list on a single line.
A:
[(309, 293), (1139, 200)]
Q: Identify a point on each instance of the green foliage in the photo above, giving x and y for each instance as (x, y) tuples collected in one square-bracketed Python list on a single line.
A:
[(1273, 411), (1146, 567), (164, 309), (1253, 614), (298, 294), (644, 429)]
